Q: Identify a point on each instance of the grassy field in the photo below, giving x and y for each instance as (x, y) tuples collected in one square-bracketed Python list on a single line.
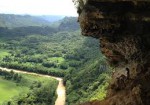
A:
[(9, 89), (29, 79), (3, 53), (57, 59)]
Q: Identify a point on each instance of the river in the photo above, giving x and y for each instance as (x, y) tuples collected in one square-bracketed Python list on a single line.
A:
[(61, 90)]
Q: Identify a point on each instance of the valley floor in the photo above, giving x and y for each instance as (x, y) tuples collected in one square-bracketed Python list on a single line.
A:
[(61, 91), (6, 85)]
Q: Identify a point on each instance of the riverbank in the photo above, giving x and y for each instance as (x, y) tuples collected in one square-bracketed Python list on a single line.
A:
[(61, 91)]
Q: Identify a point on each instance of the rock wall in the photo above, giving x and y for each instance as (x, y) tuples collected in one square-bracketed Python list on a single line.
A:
[(123, 28)]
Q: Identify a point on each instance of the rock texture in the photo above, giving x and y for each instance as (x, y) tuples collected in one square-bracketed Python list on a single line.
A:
[(123, 28)]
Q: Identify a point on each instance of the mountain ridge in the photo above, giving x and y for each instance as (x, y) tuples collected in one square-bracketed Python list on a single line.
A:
[(14, 20)]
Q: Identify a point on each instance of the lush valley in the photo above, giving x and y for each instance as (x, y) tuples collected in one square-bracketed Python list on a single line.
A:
[(59, 51)]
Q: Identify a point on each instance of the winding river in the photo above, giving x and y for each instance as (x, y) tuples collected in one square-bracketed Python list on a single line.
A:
[(61, 91)]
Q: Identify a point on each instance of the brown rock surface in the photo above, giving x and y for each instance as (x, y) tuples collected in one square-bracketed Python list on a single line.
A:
[(123, 28)]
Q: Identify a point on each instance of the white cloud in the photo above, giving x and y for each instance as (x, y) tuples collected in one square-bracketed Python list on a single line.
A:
[(38, 7)]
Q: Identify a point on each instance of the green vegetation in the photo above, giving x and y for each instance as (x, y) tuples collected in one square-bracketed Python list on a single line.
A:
[(59, 51), (88, 82), (27, 90), (9, 89), (3, 53), (53, 54)]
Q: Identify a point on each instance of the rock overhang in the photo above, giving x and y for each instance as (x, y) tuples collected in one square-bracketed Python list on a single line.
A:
[(112, 17)]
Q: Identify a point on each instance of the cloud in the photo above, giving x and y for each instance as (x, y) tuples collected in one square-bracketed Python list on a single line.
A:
[(38, 7)]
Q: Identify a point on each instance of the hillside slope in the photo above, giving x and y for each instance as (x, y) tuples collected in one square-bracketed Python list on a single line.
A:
[(12, 21)]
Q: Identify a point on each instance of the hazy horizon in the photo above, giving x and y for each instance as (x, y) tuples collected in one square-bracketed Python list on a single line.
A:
[(36, 15), (38, 7)]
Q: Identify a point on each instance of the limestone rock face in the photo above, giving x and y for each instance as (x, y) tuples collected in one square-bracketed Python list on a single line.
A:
[(123, 28)]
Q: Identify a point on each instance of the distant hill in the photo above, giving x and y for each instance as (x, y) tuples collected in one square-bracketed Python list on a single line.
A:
[(60, 22), (18, 25), (11, 21), (51, 18), (69, 23)]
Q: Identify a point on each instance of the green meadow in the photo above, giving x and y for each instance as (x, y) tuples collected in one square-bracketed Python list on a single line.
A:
[(12, 91), (9, 89), (3, 53)]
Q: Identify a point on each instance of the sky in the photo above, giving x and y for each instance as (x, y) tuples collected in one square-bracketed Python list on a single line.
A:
[(38, 7)]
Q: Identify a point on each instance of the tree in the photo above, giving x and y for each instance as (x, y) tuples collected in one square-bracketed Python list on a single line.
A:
[(63, 66)]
